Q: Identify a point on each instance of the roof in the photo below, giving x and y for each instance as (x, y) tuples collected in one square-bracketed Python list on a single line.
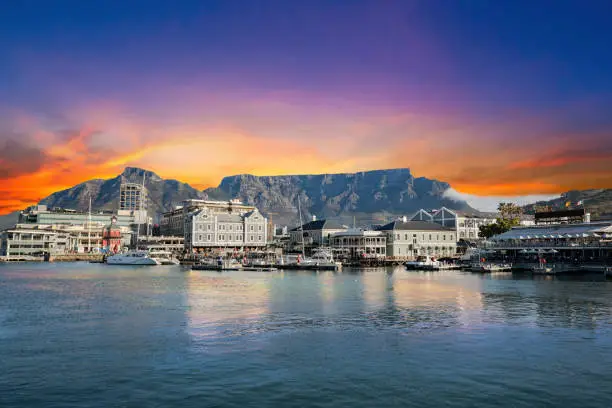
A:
[(414, 226), (556, 231), (319, 225), (358, 233)]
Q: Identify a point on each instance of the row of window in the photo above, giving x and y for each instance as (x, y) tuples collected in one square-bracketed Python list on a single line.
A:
[(430, 236), (222, 227), (222, 237)]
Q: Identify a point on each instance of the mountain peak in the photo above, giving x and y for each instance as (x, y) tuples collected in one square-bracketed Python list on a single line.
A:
[(135, 173)]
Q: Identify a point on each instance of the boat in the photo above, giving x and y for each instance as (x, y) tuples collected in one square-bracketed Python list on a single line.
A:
[(134, 257), (488, 267), (219, 265), (423, 263), (164, 257)]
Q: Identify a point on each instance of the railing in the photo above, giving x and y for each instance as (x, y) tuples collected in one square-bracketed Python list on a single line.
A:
[(552, 245)]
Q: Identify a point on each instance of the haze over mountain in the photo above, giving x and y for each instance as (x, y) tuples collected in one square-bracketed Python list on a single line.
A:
[(370, 196)]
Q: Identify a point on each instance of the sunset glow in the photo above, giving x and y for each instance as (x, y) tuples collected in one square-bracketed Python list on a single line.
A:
[(211, 91)]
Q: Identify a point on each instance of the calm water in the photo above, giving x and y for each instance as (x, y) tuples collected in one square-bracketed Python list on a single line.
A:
[(80, 335)]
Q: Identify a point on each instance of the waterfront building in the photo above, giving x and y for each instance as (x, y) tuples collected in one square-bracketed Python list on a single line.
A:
[(36, 239), (581, 241), (172, 222), (465, 224), (358, 244), (315, 232), (133, 202), (172, 244), (210, 227), (41, 214), (573, 216), (408, 239)]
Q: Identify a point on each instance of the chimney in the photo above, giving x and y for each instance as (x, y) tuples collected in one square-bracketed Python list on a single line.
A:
[(314, 217)]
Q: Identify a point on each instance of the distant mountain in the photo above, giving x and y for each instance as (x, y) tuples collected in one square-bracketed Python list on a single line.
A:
[(598, 202), (8, 220), (368, 197), (163, 194)]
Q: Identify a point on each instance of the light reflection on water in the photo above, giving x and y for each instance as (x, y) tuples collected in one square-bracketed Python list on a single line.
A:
[(378, 337)]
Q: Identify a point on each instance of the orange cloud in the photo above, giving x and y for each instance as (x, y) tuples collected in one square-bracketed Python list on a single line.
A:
[(278, 138)]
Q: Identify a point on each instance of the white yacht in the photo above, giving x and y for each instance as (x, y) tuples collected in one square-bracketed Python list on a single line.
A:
[(164, 257), (423, 262), (132, 258)]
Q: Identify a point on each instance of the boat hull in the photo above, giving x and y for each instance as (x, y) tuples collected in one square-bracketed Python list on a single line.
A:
[(113, 260)]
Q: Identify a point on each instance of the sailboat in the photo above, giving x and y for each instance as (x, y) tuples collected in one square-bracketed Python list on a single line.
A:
[(134, 256), (322, 258)]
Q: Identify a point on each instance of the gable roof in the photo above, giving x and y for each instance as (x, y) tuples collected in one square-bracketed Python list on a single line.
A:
[(318, 225), (414, 226)]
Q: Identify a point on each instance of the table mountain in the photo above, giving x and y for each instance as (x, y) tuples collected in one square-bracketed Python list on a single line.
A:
[(370, 196)]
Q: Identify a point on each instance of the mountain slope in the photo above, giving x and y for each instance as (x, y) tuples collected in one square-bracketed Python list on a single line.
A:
[(598, 202), (163, 194), (371, 196)]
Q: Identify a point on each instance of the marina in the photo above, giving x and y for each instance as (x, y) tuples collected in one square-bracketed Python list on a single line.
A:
[(380, 328)]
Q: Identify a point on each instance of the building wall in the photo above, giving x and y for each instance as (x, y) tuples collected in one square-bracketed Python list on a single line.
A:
[(360, 245), (206, 229), (406, 243)]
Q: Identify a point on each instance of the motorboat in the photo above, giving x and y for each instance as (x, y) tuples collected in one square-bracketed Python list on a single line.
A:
[(134, 257), (164, 257), (423, 263), (488, 267)]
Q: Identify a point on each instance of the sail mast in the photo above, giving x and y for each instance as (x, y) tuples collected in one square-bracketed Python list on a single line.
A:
[(301, 228), (89, 226)]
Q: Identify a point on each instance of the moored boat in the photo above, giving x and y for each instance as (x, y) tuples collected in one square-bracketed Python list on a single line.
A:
[(132, 258)]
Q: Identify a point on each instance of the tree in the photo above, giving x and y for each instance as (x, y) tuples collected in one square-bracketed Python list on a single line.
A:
[(509, 216)]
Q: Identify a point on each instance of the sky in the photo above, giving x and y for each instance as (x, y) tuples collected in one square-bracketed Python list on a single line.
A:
[(501, 99)]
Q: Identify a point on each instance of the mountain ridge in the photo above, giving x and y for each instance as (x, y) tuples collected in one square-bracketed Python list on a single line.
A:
[(368, 196)]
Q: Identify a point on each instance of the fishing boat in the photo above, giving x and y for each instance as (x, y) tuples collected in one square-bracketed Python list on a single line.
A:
[(132, 258)]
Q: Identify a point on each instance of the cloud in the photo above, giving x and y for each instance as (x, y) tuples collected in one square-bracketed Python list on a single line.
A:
[(490, 203), (17, 158)]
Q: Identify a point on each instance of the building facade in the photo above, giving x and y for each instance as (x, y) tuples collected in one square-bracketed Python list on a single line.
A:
[(36, 239), (172, 223), (315, 232), (466, 225), (358, 244), (172, 244), (40, 214), (408, 239), (207, 228)]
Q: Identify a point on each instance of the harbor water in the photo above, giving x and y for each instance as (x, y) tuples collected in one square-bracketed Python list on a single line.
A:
[(91, 335)]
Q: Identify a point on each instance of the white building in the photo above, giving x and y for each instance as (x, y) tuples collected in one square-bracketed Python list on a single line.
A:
[(208, 228), (408, 239), (315, 232), (34, 239), (173, 222), (357, 244), (467, 225)]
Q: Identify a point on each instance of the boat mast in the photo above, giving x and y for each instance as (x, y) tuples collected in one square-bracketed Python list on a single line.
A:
[(89, 226), (301, 228)]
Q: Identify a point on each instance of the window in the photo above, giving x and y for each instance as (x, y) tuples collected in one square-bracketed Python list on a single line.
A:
[(397, 237), (444, 237), (209, 226), (199, 237), (413, 235), (406, 237), (221, 238), (208, 237), (259, 238), (260, 227), (230, 227), (437, 237), (251, 228)]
